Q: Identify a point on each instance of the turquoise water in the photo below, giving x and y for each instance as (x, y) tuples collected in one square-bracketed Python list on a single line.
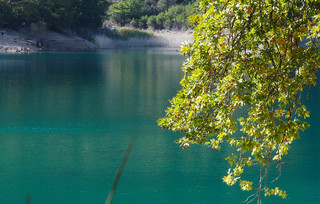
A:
[(66, 120)]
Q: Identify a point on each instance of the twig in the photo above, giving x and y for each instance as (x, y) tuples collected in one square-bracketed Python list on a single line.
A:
[(28, 199), (119, 172), (247, 200), (279, 173)]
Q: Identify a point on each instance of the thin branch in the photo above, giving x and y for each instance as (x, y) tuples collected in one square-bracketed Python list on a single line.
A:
[(279, 165), (119, 172), (28, 199), (247, 200)]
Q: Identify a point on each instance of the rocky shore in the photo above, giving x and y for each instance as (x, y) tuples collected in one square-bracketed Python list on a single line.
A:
[(21, 42), (16, 42), (163, 38)]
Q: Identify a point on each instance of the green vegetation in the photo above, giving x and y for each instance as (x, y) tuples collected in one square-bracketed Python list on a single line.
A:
[(73, 14), (126, 33), (157, 14), (53, 14), (242, 89), (176, 17)]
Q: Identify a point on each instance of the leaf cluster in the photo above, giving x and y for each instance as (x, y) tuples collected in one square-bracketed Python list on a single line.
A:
[(253, 57)]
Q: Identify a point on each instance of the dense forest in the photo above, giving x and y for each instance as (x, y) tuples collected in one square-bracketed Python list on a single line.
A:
[(54, 14), (155, 14), (73, 14)]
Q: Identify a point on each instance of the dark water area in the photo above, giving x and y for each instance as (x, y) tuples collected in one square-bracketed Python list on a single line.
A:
[(66, 120)]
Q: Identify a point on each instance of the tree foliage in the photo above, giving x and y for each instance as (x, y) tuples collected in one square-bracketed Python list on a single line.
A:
[(5, 12), (244, 77), (126, 10), (160, 13), (175, 17), (57, 14)]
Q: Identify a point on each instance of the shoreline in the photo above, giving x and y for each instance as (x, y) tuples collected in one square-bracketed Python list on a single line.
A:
[(22, 42)]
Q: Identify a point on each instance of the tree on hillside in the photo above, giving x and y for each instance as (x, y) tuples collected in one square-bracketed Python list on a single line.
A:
[(244, 77), (5, 13), (60, 14), (165, 4), (13, 12), (126, 10), (134, 12), (93, 12), (56, 14)]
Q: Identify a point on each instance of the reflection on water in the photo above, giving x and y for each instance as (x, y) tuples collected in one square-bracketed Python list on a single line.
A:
[(66, 120)]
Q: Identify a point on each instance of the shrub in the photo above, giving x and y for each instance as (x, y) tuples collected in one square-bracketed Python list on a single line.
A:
[(160, 19), (152, 22), (126, 33), (143, 22), (168, 24), (38, 27), (134, 23)]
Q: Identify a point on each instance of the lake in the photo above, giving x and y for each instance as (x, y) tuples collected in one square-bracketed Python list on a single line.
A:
[(66, 120)]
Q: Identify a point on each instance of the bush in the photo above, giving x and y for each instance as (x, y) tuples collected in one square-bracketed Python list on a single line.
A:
[(161, 18), (134, 23), (168, 24), (143, 22), (126, 33), (38, 27), (152, 22)]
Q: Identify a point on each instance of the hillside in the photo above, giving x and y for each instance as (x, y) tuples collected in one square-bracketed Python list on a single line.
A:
[(73, 25)]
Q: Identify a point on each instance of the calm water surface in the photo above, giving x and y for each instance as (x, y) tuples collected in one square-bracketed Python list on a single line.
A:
[(66, 120)]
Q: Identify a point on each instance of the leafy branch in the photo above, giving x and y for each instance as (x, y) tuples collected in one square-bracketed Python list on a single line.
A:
[(248, 55)]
